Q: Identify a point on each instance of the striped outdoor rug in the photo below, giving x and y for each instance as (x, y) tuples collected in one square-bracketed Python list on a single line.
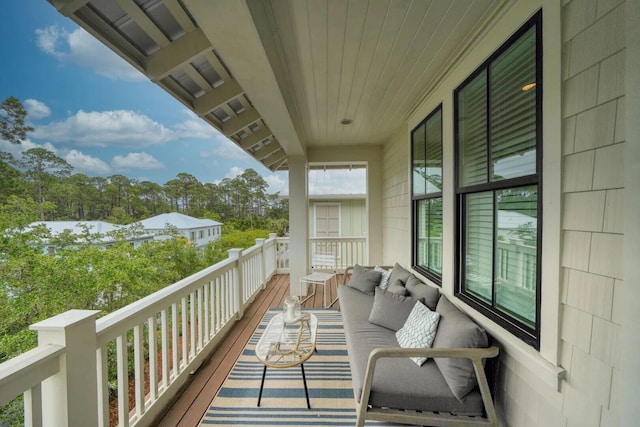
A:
[(283, 402)]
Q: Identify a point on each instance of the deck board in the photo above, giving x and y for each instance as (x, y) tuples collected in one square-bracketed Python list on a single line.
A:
[(192, 403)]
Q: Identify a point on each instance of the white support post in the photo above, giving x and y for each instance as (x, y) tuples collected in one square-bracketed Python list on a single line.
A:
[(298, 222), (70, 397), (238, 285), (263, 268)]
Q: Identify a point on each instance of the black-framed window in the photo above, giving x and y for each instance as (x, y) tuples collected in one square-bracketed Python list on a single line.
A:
[(498, 146), (426, 192)]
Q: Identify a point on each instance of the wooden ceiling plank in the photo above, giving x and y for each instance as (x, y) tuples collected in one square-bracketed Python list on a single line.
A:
[(142, 19), (159, 64), (274, 159), (216, 97)]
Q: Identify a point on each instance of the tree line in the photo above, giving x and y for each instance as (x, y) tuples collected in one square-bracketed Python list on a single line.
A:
[(39, 185)]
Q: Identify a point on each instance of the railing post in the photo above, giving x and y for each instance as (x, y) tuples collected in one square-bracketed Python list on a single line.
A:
[(70, 397), (238, 285), (263, 267)]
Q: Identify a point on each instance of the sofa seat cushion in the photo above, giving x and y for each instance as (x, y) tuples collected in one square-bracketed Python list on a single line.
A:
[(398, 382)]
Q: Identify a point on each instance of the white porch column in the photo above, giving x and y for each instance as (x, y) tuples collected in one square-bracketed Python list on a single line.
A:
[(630, 319), (70, 398), (374, 210), (298, 221)]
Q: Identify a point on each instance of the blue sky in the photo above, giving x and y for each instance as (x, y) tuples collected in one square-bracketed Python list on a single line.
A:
[(98, 113)]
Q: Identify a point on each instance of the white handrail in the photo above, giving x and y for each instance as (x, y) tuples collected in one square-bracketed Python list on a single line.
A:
[(163, 337)]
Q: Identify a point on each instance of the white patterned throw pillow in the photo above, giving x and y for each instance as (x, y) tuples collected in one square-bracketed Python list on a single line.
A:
[(419, 330), (384, 280)]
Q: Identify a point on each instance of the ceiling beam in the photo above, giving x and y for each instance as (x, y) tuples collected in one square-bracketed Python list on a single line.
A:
[(276, 159), (237, 123), (254, 138), (231, 29), (211, 100), (180, 15), (142, 19), (159, 64), (68, 7), (266, 150)]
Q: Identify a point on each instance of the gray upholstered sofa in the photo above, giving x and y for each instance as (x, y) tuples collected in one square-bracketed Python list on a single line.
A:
[(450, 389)]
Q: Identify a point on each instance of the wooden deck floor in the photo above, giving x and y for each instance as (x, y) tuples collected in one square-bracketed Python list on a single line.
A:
[(192, 403)]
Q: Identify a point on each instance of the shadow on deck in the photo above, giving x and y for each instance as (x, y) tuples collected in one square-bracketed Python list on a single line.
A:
[(193, 401)]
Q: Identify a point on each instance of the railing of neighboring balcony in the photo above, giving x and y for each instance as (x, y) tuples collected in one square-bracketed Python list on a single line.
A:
[(349, 250), (138, 356)]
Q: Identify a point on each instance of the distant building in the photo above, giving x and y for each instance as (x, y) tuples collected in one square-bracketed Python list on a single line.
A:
[(198, 231), (99, 233)]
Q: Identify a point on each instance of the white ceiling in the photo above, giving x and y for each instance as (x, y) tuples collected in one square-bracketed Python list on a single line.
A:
[(278, 76)]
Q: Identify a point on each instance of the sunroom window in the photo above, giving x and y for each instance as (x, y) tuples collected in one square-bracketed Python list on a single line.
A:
[(426, 160), (498, 184)]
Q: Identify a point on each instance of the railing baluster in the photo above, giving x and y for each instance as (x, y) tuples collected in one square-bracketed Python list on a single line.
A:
[(153, 358), (192, 325), (185, 335), (199, 300), (33, 406), (123, 380), (206, 304), (103, 386), (175, 342), (164, 333), (138, 357)]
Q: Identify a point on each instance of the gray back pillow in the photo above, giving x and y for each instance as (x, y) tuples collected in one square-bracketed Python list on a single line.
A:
[(390, 310), (428, 295), (399, 273), (457, 330), (364, 279)]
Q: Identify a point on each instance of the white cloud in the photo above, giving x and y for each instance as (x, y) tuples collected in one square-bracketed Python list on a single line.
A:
[(17, 149), (195, 127), (136, 161), (278, 183), (87, 163), (233, 172), (106, 128), (83, 49), (225, 149), (36, 109)]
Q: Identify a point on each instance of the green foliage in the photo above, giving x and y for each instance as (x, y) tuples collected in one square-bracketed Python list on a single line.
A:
[(12, 121)]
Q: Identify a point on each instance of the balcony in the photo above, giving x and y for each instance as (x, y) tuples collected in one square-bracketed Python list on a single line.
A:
[(167, 353)]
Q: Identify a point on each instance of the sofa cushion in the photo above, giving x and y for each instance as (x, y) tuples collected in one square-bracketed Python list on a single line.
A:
[(419, 330), (364, 279), (397, 287), (390, 310), (384, 279), (397, 383), (457, 330), (428, 295), (399, 273)]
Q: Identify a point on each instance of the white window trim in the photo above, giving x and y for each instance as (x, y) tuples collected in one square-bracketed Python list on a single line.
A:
[(542, 364)]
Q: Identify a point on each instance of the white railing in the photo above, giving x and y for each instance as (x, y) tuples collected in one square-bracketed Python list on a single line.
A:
[(349, 251), (151, 345)]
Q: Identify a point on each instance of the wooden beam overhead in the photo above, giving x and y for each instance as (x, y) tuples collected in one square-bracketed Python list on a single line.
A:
[(179, 14), (142, 19), (197, 77), (237, 123), (68, 7), (159, 64), (267, 150), (216, 97), (275, 159), (255, 138)]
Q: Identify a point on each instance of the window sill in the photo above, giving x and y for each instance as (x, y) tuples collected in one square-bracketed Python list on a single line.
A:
[(516, 354)]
